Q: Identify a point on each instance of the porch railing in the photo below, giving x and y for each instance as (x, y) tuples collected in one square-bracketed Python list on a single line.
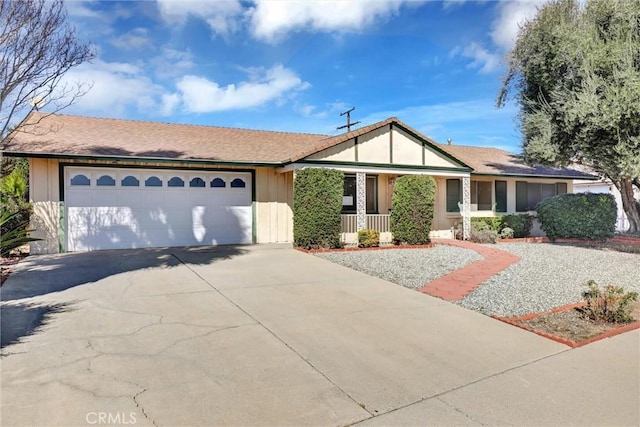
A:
[(378, 222)]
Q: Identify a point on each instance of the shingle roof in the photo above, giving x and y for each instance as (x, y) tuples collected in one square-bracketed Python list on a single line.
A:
[(62, 134), (493, 161), (88, 136)]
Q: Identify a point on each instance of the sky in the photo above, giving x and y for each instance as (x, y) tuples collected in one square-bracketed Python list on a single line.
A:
[(290, 65)]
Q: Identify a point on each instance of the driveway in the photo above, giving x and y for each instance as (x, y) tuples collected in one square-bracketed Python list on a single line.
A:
[(265, 335)]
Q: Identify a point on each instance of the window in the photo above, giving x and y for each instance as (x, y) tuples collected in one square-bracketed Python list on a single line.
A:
[(176, 181), (218, 183), (197, 182), (130, 181), (349, 197), (481, 199), (153, 181), (237, 183), (501, 196), (454, 195), (529, 194), (105, 180), (80, 180)]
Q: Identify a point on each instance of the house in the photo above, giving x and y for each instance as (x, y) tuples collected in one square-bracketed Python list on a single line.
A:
[(100, 183)]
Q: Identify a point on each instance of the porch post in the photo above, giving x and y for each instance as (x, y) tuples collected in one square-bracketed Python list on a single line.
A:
[(466, 208), (361, 201)]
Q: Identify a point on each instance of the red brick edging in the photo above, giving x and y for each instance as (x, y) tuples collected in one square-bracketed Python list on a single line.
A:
[(615, 239), (459, 283), (515, 321), (357, 249)]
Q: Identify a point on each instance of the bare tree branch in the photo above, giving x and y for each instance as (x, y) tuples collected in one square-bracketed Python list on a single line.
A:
[(37, 47)]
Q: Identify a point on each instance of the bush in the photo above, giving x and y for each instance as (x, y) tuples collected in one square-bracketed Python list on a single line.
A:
[(610, 304), (520, 224), (14, 232), (506, 233), (582, 216), (487, 222), (412, 205), (483, 235), (317, 203), (368, 238)]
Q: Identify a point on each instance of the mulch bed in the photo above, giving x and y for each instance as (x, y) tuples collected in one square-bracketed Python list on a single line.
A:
[(565, 325)]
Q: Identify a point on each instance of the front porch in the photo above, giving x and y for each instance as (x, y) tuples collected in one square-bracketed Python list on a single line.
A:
[(367, 205)]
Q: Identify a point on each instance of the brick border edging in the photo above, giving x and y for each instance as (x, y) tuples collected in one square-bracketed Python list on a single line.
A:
[(544, 239), (514, 321), (357, 249)]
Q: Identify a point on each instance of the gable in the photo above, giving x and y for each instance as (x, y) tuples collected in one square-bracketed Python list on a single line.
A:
[(390, 144)]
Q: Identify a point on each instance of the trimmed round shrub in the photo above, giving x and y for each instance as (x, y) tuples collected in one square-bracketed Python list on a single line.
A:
[(580, 216), (317, 203), (368, 238), (487, 222), (520, 224), (412, 206)]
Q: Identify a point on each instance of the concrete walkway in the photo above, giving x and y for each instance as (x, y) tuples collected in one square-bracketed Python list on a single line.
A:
[(458, 284), (267, 335)]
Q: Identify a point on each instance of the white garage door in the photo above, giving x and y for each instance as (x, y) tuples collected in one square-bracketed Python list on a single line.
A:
[(113, 208)]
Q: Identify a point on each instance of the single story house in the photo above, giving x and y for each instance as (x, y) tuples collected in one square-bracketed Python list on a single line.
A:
[(99, 183)]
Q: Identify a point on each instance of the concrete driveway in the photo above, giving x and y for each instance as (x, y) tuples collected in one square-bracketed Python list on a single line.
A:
[(265, 335)]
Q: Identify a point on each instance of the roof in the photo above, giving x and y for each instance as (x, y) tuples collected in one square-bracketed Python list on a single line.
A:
[(493, 161), (55, 135), (62, 134)]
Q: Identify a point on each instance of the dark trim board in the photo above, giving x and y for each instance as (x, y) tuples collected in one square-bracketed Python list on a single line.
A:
[(382, 165), (515, 175)]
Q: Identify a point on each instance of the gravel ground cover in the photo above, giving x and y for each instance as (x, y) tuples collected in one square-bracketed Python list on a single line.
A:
[(412, 268), (549, 276)]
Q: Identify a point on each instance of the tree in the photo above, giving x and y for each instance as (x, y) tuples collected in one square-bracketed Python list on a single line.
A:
[(37, 47), (575, 70)]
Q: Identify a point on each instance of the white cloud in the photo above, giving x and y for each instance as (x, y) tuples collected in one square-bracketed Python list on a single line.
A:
[(221, 15), (172, 63), (115, 86), (511, 15), (135, 39), (272, 19), (482, 58), (201, 95)]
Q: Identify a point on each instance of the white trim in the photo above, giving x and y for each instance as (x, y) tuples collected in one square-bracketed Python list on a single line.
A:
[(376, 170)]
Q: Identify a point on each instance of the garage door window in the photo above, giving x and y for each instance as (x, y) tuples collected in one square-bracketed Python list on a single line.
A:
[(218, 183), (153, 181), (175, 182), (197, 182), (106, 180), (238, 183), (80, 180), (130, 181)]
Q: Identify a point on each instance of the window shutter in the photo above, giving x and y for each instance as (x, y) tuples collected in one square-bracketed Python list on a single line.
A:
[(561, 188), (453, 195), (501, 196), (521, 196)]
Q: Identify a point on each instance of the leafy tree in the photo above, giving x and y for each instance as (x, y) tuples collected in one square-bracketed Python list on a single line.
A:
[(37, 47), (575, 71)]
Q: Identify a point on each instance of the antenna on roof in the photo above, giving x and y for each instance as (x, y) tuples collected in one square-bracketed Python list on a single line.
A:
[(349, 124), (449, 141)]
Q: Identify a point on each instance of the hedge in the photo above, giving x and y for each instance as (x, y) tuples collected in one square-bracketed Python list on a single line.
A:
[(581, 216), (317, 203), (412, 207), (520, 224)]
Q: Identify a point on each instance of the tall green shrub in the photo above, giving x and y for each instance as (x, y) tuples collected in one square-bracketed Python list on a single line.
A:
[(317, 203), (412, 209), (581, 216)]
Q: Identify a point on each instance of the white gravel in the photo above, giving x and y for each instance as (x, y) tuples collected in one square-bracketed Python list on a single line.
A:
[(412, 268), (547, 276)]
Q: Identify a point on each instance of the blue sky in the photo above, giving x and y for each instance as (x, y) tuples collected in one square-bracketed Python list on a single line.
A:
[(296, 65)]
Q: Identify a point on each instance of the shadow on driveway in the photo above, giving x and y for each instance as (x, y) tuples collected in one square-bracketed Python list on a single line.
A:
[(21, 320), (41, 275)]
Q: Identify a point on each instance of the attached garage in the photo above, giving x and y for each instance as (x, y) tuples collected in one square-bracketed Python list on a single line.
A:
[(119, 208)]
